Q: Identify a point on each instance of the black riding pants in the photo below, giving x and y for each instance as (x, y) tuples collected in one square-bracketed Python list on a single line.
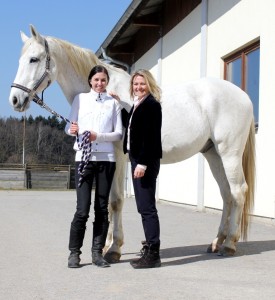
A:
[(145, 189), (102, 172)]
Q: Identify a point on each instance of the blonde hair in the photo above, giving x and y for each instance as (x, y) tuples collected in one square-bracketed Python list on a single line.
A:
[(150, 81)]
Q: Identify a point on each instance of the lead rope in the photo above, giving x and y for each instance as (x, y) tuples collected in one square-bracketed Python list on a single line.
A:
[(86, 147)]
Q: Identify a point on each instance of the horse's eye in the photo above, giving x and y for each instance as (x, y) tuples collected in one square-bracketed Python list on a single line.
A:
[(34, 60)]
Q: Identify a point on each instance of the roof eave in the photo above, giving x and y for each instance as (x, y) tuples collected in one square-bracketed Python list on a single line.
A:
[(119, 25)]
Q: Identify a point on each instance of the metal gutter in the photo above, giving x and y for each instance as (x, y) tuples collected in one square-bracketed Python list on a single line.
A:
[(121, 22), (203, 73)]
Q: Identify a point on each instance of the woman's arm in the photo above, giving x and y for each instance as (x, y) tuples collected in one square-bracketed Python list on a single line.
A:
[(73, 117), (116, 134), (124, 112)]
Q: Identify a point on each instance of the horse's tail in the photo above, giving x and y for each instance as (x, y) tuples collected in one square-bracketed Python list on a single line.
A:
[(249, 169)]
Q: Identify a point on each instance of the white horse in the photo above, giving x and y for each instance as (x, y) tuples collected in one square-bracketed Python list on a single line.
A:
[(210, 116)]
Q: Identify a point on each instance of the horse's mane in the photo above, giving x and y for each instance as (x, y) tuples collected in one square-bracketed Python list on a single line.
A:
[(81, 59)]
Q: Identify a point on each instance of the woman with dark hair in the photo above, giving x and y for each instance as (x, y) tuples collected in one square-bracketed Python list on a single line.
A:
[(96, 122)]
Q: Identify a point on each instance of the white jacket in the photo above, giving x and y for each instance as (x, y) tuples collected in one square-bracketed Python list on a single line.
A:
[(101, 114)]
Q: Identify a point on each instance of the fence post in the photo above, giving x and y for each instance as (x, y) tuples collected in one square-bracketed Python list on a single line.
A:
[(69, 178), (25, 176)]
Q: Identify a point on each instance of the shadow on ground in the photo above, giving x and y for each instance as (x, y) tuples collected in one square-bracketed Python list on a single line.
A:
[(192, 254)]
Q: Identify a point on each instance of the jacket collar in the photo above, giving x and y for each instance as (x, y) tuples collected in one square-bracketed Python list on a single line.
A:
[(137, 102), (98, 96)]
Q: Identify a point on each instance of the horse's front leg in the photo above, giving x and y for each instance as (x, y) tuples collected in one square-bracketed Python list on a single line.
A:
[(115, 238)]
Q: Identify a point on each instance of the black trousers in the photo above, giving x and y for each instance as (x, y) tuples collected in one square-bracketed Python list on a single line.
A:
[(102, 172), (145, 189)]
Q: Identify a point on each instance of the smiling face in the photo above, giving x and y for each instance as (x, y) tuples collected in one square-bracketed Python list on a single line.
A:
[(99, 82), (140, 88)]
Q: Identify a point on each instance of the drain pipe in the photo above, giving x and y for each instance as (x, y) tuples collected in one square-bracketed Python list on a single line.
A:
[(159, 81), (203, 72)]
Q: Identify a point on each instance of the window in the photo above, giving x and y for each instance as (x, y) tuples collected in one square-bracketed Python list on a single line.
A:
[(243, 69)]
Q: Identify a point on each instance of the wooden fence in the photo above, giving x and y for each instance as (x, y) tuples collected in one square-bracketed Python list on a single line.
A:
[(27, 176)]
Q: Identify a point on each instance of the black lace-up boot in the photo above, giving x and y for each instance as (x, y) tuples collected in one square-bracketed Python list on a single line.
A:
[(149, 259)]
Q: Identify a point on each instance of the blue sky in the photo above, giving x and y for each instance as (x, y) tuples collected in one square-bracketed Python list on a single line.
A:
[(84, 22)]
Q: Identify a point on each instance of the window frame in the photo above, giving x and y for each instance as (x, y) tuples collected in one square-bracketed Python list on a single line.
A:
[(241, 54)]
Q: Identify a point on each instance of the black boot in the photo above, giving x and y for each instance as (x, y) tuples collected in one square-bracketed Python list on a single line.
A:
[(143, 252), (149, 259), (74, 260), (75, 244), (98, 260), (100, 231)]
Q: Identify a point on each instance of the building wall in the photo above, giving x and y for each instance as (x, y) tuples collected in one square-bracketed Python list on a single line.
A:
[(232, 24), (265, 197)]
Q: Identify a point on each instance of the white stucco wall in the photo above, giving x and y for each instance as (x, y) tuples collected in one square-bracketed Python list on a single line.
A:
[(232, 24), (249, 20), (265, 197)]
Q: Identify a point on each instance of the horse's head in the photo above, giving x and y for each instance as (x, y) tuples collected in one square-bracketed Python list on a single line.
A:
[(35, 72)]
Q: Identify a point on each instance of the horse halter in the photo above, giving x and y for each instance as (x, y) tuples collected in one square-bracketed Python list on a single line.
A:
[(32, 92)]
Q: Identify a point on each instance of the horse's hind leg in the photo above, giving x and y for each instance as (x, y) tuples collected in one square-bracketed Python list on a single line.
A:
[(238, 188), (217, 169)]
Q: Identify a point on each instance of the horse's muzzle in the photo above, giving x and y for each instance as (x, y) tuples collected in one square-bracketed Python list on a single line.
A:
[(19, 106)]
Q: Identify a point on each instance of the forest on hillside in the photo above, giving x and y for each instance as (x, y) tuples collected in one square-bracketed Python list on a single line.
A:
[(40, 140)]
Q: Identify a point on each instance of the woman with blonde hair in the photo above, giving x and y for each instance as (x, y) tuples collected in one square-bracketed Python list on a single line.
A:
[(142, 141)]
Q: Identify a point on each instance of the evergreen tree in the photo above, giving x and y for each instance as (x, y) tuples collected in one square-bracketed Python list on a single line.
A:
[(45, 141)]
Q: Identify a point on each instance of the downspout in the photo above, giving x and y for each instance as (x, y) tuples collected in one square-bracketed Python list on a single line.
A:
[(159, 81), (203, 72), (159, 68)]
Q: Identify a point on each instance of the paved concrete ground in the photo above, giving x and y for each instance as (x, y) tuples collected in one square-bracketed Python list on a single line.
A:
[(34, 229)]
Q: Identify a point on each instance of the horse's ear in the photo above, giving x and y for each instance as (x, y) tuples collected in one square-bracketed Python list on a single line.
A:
[(23, 36), (36, 34)]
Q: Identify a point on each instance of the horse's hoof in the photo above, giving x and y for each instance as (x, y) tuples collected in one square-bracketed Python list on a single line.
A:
[(226, 252), (112, 257), (211, 250)]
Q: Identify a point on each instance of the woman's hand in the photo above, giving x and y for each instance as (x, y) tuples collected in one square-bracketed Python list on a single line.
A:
[(74, 128), (139, 172), (114, 95), (93, 135)]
